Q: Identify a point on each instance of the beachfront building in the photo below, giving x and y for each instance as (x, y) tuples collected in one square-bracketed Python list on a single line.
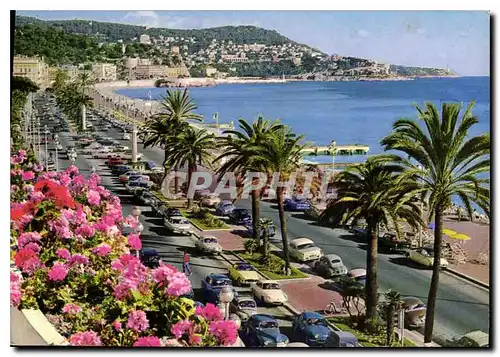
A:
[(150, 71), (131, 62), (178, 71), (145, 39), (33, 68), (104, 72)]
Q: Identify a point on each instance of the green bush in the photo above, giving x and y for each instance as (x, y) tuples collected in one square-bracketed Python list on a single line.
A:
[(250, 246)]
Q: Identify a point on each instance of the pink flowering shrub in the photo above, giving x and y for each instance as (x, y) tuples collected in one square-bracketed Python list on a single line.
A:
[(73, 263)]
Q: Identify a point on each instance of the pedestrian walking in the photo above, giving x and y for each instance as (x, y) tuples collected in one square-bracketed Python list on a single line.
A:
[(186, 267)]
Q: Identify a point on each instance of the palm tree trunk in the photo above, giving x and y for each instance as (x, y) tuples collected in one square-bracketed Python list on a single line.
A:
[(390, 324), (371, 272), (191, 168), (431, 299), (265, 243), (284, 238), (256, 215), (176, 181)]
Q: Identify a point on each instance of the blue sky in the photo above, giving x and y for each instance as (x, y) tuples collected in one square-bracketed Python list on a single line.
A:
[(455, 39)]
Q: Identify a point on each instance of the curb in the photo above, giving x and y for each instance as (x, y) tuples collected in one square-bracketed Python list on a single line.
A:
[(44, 328), (468, 278)]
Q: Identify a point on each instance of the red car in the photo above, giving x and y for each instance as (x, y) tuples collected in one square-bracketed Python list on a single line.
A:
[(114, 161)]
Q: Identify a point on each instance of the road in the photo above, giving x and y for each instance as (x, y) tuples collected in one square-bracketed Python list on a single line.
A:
[(461, 306)]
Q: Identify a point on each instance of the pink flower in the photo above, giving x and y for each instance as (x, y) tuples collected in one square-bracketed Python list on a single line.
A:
[(130, 221), (117, 325), (64, 180), (36, 196), (15, 289), (178, 285), (38, 167), (78, 259), (149, 341), (226, 332), (58, 272), (123, 261), (194, 339), (61, 227), (85, 231), (122, 290), (63, 253), (163, 272), (180, 328), (137, 321), (210, 312), (93, 197), (79, 218), (72, 170), (102, 250), (134, 241), (28, 237), (87, 338), (28, 175), (71, 309), (33, 246)]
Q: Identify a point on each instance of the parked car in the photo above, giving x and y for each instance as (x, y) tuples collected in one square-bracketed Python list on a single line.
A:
[(224, 208), (132, 178), (212, 285), (271, 231), (114, 161), (268, 193), (476, 338), (425, 256), (243, 273), (296, 204), (240, 216), (124, 177), (146, 197), (311, 328), (126, 136), (330, 265), (178, 224), (211, 200), (359, 275), (138, 185), (208, 244), (173, 212), (244, 306), (149, 257), (297, 344), (120, 169), (304, 249), (414, 312), (263, 331), (390, 243), (341, 339), (269, 292)]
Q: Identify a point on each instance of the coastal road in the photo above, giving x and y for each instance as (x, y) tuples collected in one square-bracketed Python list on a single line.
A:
[(461, 306)]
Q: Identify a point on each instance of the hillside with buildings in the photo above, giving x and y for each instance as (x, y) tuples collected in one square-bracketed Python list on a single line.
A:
[(126, 52)]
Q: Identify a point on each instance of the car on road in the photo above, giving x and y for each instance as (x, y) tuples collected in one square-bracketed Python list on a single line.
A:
[(296, 204), (244, 306), (138, 185), (358, 275), (243, 274), (149, 257), (208, 244), (304, 250), (341, 339), (126, 136), (120, 169), (330, 265), (133, 178), (425, 256), (476, 338), (211, 200), (124, 177), (212, 285), (414, 312), (269, 292), (263, 330), (389, 242), (240, 216), (146, 197), (224, 208), (271, 231), (311, 328), (114, 161), (178, 224)]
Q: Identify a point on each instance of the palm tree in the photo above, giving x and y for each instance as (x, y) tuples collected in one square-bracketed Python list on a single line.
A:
[(373, 191), (239, 150), (61, 79), (192, 147), (264, 225), (83, 82), (281, 153), (448, 163), (177, 108), (393, 305)]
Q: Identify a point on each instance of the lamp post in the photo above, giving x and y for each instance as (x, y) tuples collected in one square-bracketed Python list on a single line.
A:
[(46, 131), (56, 140), (134, 144), (333, 146), (225, 297)]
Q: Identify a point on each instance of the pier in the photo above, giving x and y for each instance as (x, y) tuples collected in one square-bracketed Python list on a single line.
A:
[(336, 150)]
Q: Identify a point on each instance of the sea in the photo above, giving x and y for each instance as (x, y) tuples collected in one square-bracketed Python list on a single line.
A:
[(346, 112)]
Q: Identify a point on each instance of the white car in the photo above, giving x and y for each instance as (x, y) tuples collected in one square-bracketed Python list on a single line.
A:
[(269, 292), (208, 244), (304, 250), (178, 224), (126, 136), (59, 147)]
